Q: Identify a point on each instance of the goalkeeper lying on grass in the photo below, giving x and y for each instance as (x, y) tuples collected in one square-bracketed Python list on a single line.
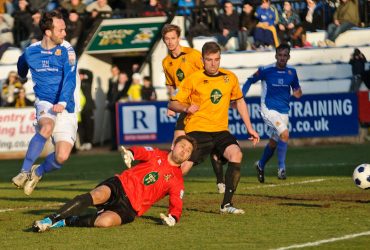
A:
[(121, 198)]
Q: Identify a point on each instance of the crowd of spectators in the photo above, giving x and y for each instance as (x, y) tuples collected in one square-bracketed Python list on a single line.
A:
[(268, 22)]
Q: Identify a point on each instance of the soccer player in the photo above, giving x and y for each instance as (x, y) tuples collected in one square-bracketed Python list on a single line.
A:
[(121, 198), (205, 96), (277, 81), (52, 62), (177, 65)]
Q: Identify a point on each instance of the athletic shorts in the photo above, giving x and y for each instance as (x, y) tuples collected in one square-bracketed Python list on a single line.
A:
[(118, 201), (180, 125), (65, 123), (277, 123), (210, 142)]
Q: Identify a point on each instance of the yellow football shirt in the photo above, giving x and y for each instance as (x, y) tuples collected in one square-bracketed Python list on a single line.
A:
[(176, 69), (213, 95)]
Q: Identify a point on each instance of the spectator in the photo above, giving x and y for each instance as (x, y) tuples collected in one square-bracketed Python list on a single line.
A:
[(228, 24), (22, 22), (265, 32), (184, 7), (313, 20), (247, 23), (358, 62), (99, 6), (86, 125), (288, 22), (134, 92), (153, 8), (6, 35), (75, 5), (118, 87), (36, 33), (74, 28), (345, 17), (148, 91), (21, 100), (10, 87)]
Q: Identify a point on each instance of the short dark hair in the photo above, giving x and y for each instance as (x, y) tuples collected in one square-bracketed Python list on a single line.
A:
[(190, 139), (46, 22), (283, 46), (171, 27), (210, 47)]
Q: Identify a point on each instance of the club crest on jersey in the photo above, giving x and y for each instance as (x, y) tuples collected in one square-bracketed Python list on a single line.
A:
[(58, 52), (226, 79), (216, 96), (183, 59), (167, 177), (147, 148), (150, 178), (180, 75), (290, 72), (170, 64)]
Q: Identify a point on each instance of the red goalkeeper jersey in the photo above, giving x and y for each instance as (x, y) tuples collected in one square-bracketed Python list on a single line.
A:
[(151, 180)]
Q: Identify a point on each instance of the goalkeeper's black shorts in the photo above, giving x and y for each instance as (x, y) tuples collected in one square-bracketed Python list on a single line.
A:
[(118, 201)]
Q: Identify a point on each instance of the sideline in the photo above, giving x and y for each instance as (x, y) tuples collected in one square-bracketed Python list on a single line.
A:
[(316, 243), (4, 210), (285, 184)]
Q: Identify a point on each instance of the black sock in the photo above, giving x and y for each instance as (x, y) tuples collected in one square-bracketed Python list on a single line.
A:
[(81, 221), (217, 168), (232, 178), (73, 207)]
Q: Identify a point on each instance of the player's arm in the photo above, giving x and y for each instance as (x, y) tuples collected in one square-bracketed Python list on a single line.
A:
[(69, 80), (297, 90), (175, 204), (241, 106), (251, 80), (22, 67), (179, 103)]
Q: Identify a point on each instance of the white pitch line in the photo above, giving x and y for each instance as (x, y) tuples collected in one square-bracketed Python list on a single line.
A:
[(286, 184), (316, 243), (24, 208)]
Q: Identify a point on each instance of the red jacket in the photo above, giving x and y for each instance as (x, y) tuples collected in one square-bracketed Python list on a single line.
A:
[(151, 180)]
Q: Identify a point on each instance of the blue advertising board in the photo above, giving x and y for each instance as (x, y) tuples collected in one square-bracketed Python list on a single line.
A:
[(310, 116)]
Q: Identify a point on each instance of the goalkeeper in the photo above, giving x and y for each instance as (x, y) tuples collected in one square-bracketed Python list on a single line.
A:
[(121, 198)]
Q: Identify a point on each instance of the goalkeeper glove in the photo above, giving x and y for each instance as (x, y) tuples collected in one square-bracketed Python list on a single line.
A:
[(167, 220), (127, 156)]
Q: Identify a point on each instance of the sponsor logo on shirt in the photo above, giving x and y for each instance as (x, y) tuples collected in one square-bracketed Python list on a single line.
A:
[(216, 96), (150, 178)]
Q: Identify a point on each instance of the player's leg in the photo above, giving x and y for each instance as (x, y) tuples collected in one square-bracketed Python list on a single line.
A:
[(64, 137), (282, 147), (116, 211), (75, 207), (217, 163), (268, 152), (45, 125), (226, 143)]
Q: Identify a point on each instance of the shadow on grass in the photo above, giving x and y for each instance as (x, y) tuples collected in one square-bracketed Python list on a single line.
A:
[(304, 205), (156, 220)]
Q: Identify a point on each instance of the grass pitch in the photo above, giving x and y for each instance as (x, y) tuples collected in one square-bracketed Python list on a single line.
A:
[(318, 206)]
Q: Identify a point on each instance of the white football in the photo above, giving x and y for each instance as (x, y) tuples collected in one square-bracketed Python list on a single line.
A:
[(361, 176)]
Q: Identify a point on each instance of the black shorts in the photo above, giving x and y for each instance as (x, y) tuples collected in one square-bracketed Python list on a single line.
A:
[(118, 201), (210, 142), (180, 125)]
